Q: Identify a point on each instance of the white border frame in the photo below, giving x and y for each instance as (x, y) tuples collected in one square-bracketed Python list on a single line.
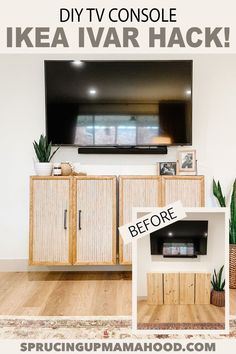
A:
[(224, 211)]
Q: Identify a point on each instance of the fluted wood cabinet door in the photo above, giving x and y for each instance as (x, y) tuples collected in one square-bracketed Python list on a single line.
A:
[(136, 191), (188, 189), (50, 221), (95, 212)]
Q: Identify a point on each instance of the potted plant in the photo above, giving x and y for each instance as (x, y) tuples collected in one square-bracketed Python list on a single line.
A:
[(43, 167), (218, 289), (217, 191)]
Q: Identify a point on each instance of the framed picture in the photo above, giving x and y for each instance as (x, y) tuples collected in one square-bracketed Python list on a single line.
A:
[(167, 168), (187, 161)]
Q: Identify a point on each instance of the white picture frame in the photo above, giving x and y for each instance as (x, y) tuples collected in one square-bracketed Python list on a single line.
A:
[(187, 161)]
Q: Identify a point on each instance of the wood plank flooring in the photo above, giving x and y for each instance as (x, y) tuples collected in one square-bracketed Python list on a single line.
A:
[(232, 298), (65, 294), (179, 313), (86, 294)]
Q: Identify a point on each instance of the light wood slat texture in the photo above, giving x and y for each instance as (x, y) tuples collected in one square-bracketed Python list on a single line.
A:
[(155, 288), (136, 191), (202, 288), (189, 190), (50, 214), (179, 313), (96, 203), (186, 288), (65, 294), (171, 288)]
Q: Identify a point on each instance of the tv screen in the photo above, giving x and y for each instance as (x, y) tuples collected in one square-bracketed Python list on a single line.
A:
[(183, 238), (119, 103)]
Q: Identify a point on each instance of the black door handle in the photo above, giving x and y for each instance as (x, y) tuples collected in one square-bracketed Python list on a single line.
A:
[(79, 220), (65, 219)]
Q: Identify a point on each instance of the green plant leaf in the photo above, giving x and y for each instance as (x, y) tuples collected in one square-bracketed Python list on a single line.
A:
[(217, 191), (220, 276), (43, 149), (233, 215), (38, 151), (54, 153), (48, 151), (216, 281)]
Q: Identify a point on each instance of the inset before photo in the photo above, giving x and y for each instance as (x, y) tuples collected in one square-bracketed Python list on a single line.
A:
[(180, 276)]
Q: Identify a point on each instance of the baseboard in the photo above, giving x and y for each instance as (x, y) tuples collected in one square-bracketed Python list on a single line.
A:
[(21, 265)]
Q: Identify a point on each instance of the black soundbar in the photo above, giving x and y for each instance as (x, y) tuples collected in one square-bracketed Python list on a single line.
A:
[(151, 150)]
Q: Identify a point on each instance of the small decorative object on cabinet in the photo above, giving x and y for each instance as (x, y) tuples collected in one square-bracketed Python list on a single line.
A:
[(66, 169), (56, 169), (43, 152), (167, 168), (218, 292), (217, 191), (187, 163)]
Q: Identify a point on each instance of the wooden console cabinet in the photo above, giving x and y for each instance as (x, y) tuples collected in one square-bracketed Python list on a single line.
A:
[(188, 189), (178, 288), (95, 220), (51, 209), (186, 288), (202, 288), (135, 191), (171, 288), (73, 220), (155, 191)]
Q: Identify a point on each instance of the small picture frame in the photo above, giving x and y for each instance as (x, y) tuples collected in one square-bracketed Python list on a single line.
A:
[(187, 161), (167, 168)]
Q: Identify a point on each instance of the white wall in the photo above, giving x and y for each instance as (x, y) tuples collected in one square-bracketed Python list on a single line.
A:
[(22, 121), (214, 258)]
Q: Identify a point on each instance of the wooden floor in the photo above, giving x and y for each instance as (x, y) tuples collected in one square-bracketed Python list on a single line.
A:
[(233, 302), (179, 313), (85, 294), (65, 294)]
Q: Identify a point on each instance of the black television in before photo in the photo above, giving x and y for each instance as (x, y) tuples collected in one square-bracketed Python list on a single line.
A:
[(182, 239)]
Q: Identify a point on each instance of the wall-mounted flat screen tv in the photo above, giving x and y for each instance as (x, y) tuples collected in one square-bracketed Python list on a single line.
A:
[(185, 238), (119, 103)]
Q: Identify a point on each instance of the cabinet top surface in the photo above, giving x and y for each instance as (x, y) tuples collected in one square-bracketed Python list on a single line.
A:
[(114, 176), (72, 177), (180, 272)]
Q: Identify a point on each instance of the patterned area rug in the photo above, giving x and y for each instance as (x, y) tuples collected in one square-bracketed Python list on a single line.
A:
[(93, 328), (181, 326)]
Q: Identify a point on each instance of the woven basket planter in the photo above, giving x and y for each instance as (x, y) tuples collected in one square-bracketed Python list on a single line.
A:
[(232, 266), (218, 298)]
